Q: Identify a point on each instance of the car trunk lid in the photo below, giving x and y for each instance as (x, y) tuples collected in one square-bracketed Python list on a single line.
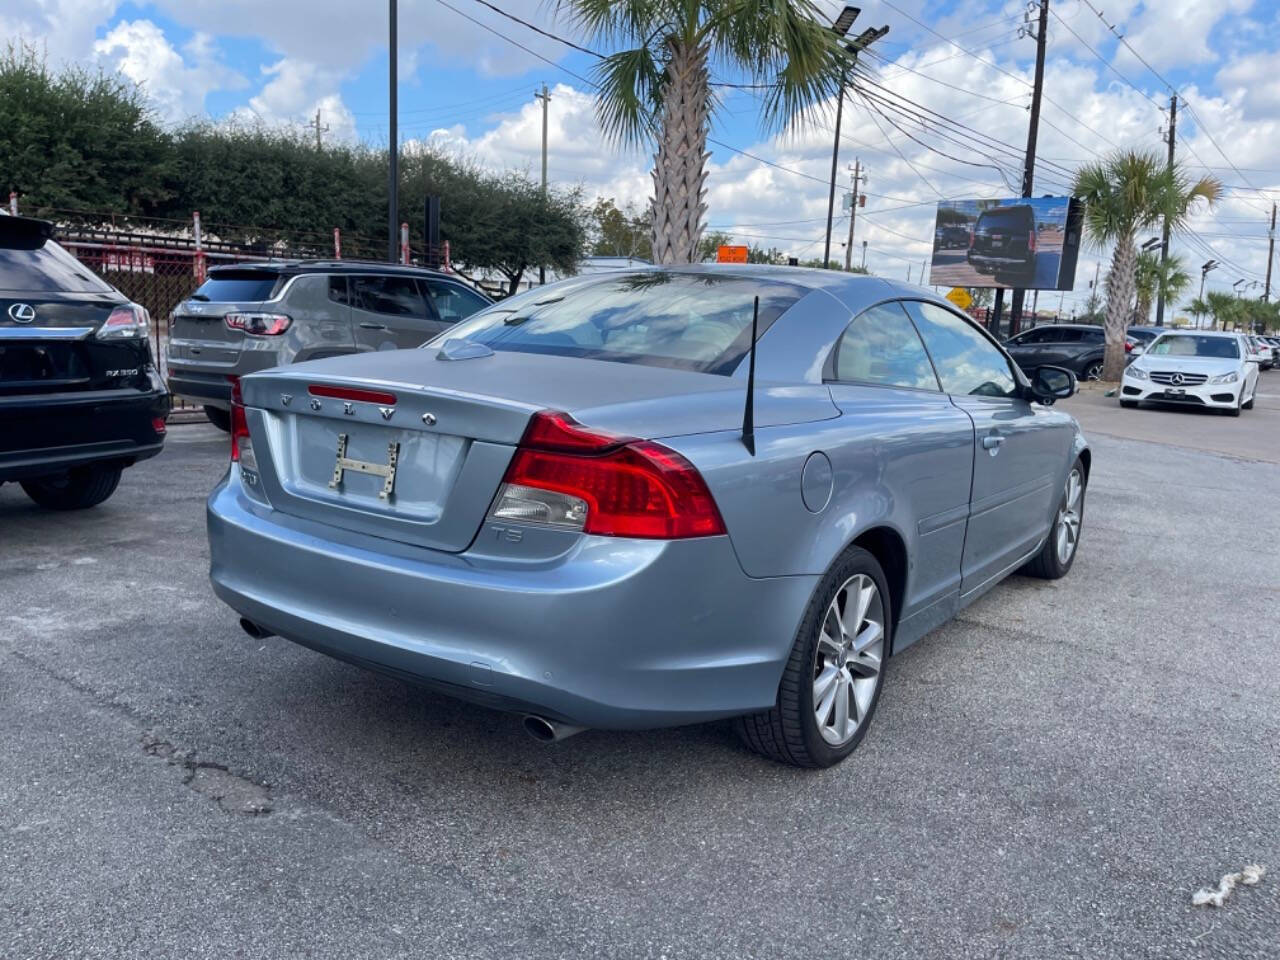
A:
[(326, 433), (198, 333)]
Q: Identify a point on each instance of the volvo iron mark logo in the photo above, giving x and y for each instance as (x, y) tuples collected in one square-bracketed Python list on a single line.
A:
[(22, 312)]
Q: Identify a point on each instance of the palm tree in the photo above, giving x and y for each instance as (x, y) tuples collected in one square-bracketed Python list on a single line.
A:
[(1127, 192), (1224, 307), (1153, 277), (1199, 309), (657, 86)]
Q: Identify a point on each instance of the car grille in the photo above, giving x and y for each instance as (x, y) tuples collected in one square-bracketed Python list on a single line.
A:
[(1188, 379)]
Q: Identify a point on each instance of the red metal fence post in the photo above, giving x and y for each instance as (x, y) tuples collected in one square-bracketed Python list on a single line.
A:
[(448, 264), (13, 202), (404, 243), (337, 244), (199, 261)]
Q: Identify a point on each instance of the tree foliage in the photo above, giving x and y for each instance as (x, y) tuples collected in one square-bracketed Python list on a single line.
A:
[(77, 141), (618, 232)]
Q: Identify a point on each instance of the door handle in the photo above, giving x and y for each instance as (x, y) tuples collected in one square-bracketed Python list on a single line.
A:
[(373, 326), (992, 442)]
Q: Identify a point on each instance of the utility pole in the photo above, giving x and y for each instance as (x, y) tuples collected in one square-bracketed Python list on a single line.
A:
[(1164, 233), (864, 254), (1271, 253), (840, 27), (853, 215), (319, 129), (393, 149), (545, 97), (1029, 167)]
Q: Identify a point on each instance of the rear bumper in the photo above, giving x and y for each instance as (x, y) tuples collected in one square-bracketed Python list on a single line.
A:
[(213, 389), (43, 434), (987, 262), (614, 634)]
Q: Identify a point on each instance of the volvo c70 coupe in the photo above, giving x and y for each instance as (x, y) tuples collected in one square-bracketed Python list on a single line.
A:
[(652, 498)]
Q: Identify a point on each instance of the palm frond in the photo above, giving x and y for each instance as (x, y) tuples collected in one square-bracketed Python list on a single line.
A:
[(628, 90)]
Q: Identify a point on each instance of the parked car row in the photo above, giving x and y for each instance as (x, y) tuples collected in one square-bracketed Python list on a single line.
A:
[(81, 398)]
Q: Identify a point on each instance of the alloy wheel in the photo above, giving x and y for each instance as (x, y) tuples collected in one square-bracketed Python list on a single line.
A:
[(847, 660), (1093, 371), (1067, 527)]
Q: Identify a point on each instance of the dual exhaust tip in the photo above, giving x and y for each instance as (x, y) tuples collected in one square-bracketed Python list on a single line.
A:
[(542, 729)]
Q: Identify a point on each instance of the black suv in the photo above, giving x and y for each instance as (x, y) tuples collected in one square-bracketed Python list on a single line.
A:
[(1003, 244), (1076, 346), (246, 318), (80, 398)]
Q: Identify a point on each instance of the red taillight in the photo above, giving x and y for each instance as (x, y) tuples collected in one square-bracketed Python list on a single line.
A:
[(1031, 241), (970, 239), (352, 393), (239, 425), (258, 324), (1128, 346), (631, 488), (158, 427)]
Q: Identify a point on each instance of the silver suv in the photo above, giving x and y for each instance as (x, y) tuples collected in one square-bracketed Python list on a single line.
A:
[(250, 317)]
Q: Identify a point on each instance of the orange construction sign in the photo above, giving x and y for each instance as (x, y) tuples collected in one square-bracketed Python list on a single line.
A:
[(731, 254)]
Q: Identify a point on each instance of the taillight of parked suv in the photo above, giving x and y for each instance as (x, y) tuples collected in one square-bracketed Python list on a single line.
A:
[(126, 322), (577, 478), (258, 324)]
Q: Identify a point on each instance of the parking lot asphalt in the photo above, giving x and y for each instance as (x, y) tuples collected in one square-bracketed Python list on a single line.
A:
[(1053, 774)]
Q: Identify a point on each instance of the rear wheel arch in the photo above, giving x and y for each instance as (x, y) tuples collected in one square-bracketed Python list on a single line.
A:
[(890, 550)]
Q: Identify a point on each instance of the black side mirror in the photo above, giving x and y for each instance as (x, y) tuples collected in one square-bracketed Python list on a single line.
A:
[(1049, 384)]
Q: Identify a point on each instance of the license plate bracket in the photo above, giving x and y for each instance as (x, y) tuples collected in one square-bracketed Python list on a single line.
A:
[(1175, 392), (385, 470)]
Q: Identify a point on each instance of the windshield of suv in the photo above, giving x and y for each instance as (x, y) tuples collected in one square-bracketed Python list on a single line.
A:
[(699, 321), (1189, 345)]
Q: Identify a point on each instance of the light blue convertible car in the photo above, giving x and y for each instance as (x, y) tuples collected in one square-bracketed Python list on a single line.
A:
[(604, 503)]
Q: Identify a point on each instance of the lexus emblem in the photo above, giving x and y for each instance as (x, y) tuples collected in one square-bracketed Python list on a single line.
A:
[(386, 412), (22, 312), (286, 398), (1177, 378)]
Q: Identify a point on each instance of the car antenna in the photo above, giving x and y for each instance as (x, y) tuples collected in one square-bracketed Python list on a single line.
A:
[(749, 412)]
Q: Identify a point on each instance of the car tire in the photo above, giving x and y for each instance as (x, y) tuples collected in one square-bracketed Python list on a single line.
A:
[(1249, 404), (1235, 411), (1054, 560), (219, 418), (791, 732), (1129, 404), (1091, 371), (77, 489)]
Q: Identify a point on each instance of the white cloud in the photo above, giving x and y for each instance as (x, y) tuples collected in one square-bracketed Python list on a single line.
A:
[(292, 94), (64, 29), (139, 50)]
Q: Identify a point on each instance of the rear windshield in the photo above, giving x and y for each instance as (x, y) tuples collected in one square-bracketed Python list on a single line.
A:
[(1012, 219), (690, 321), (237, 287), (1183, 345), (48, 268)]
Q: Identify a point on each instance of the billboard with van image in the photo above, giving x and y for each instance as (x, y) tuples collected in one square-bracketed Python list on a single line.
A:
[(1028, 242)]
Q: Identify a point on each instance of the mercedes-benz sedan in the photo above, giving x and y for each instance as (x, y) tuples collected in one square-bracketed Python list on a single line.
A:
[(1204, 369), (596, 505)]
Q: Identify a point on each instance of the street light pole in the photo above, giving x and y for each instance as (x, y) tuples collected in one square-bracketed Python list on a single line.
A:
[(393, 151)]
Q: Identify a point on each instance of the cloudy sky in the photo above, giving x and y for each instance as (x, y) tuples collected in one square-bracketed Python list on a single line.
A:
[(466, 84)]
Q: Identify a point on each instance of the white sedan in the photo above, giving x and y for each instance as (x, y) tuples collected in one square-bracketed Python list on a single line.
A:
[(1201, 368)]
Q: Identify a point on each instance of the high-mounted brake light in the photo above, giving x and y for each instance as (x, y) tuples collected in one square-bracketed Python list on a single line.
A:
[(575, 477), (239, 424), (352, 393)]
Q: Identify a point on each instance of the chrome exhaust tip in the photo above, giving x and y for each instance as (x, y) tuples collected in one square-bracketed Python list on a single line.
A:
[(548, 731), (253, 630)]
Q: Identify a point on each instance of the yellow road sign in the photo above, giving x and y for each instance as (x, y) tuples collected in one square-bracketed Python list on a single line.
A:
[(960, 297)]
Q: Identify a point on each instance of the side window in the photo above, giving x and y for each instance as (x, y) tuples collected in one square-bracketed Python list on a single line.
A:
[(338, 289), (1037, 337), (967, 362), (881, 346), (1093, 336), (397, 296), (453, 302), (1072, 336)]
